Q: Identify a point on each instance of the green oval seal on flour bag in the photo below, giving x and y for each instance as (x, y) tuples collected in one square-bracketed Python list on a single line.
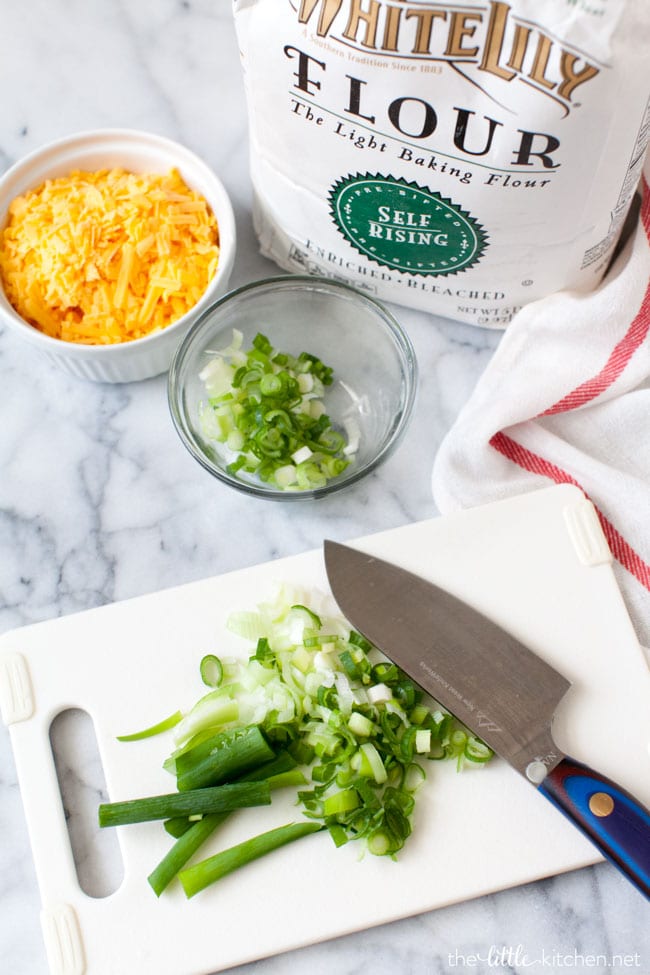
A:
[(405, 226), (460, 158)]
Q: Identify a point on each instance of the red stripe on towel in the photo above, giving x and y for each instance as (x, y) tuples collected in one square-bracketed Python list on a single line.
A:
[(623, 350), (616, 363)]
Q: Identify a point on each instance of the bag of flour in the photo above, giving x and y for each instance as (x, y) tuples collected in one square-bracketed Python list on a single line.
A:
[(461, 158)]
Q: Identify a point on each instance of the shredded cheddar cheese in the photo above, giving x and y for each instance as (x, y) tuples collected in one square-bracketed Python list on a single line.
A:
[(109, 256)]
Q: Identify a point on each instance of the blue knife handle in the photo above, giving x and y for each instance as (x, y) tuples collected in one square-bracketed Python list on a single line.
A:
[(608, 815)]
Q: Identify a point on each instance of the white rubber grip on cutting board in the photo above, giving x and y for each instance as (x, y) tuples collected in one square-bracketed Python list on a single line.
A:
[(38, 776)]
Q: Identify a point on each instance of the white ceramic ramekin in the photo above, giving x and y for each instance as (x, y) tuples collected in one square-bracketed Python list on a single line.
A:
[(135, 151)]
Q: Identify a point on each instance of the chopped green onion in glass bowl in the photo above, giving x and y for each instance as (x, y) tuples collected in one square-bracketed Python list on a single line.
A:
[(292, 387)]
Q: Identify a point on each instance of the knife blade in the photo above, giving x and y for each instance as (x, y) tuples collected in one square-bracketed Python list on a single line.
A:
[(502, 691)]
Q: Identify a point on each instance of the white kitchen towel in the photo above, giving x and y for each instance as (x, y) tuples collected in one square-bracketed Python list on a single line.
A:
[(566, 399)]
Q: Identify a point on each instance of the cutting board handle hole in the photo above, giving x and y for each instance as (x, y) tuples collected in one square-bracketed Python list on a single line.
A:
[(82, 784)]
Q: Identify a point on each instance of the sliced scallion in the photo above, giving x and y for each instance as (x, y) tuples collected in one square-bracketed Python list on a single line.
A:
[(223, 756), (341, 802), (477, 751), (221, 798), (201, 875), (155, 729), (211, 670)]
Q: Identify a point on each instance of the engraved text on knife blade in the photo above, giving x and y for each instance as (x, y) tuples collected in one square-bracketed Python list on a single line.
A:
[(482, 720)]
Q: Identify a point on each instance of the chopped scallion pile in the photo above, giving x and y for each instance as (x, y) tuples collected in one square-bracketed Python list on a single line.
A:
[(265, 410), (312, 693)]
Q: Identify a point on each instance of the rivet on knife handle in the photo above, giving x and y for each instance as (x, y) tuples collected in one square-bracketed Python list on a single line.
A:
[(608, 815)]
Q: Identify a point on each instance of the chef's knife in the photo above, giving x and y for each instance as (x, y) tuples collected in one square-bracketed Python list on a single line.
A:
[(503, 692)]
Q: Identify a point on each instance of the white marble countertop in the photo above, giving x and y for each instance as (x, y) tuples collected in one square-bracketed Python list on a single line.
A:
[(99, 501)]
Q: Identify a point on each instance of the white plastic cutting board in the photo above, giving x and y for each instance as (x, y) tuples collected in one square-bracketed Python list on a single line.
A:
[(537, 564)]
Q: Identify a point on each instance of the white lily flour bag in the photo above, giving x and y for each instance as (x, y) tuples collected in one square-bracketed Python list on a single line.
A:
[(464, 158)]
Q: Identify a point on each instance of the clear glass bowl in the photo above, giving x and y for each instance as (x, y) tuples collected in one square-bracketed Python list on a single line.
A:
[(375, 370)]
